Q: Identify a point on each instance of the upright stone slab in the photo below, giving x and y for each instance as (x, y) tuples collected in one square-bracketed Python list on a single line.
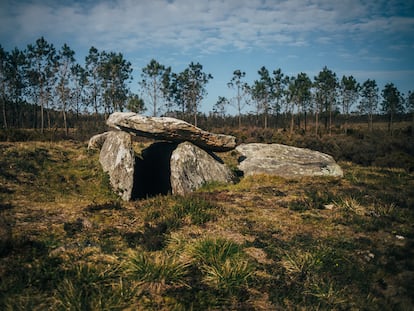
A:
[(118, 159), (285, 161), (170, 129), (191, 167), (96, 142)]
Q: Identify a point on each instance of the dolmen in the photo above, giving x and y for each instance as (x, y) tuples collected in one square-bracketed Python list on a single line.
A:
[(181, 161), (184, 157)]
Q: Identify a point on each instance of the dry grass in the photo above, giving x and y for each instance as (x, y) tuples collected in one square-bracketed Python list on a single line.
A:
[(310, 243)]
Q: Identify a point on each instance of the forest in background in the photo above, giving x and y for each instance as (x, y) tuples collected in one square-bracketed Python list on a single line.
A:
[(42, 87)]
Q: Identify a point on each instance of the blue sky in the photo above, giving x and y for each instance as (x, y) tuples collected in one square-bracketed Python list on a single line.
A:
[(368, 39)]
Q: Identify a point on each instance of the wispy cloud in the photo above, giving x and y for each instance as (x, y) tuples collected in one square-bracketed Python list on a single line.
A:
[(205, 25)]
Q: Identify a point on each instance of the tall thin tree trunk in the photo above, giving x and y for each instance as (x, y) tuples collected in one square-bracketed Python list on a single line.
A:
[(306, 121), (238, 104), (195, 114), (42, 118), (291, 123), (35, 116), (346, 123), (370, 127), (49, 121), (390, 124), (65, 123), (4, 113), (330, 120), (155, 96)]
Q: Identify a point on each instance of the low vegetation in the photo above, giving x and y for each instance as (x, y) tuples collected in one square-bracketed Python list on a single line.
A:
[(265, 243)]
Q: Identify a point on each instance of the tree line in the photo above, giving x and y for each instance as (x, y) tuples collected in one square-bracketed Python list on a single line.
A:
[(40, 81), (323, 97)]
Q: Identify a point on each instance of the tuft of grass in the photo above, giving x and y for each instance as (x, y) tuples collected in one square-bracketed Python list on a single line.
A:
[(175, 212), (231, 277), (212, 186), (328, 294), (313, 199), (90, 288), (216, 251), (318, 275), (197, 209), (351, 205), (157, 272), (163, 215), (223, 265), (299, 264)]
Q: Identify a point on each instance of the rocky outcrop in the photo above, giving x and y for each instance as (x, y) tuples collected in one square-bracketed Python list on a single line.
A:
[(118, 160), (191, 167), (96, 142), (170, 129), (285, 161)]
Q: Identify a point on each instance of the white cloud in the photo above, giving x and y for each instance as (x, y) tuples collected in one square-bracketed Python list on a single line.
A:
[(205, 25)]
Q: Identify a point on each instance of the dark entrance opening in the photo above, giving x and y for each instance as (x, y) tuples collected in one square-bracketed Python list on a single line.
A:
[(153, 170)]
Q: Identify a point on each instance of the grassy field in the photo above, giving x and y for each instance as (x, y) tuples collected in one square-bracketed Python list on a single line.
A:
[(265, 243)]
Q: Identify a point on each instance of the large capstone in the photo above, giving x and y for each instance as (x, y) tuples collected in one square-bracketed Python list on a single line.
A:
[(285, 161), (170, 129), (118, 160), (192, 167)]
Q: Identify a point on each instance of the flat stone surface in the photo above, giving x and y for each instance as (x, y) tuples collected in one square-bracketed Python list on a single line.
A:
[(285, 161), (191, 167), (118, 159), (170, 129)]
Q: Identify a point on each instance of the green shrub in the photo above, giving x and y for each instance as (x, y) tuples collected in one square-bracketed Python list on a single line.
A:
[(396, 159)]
